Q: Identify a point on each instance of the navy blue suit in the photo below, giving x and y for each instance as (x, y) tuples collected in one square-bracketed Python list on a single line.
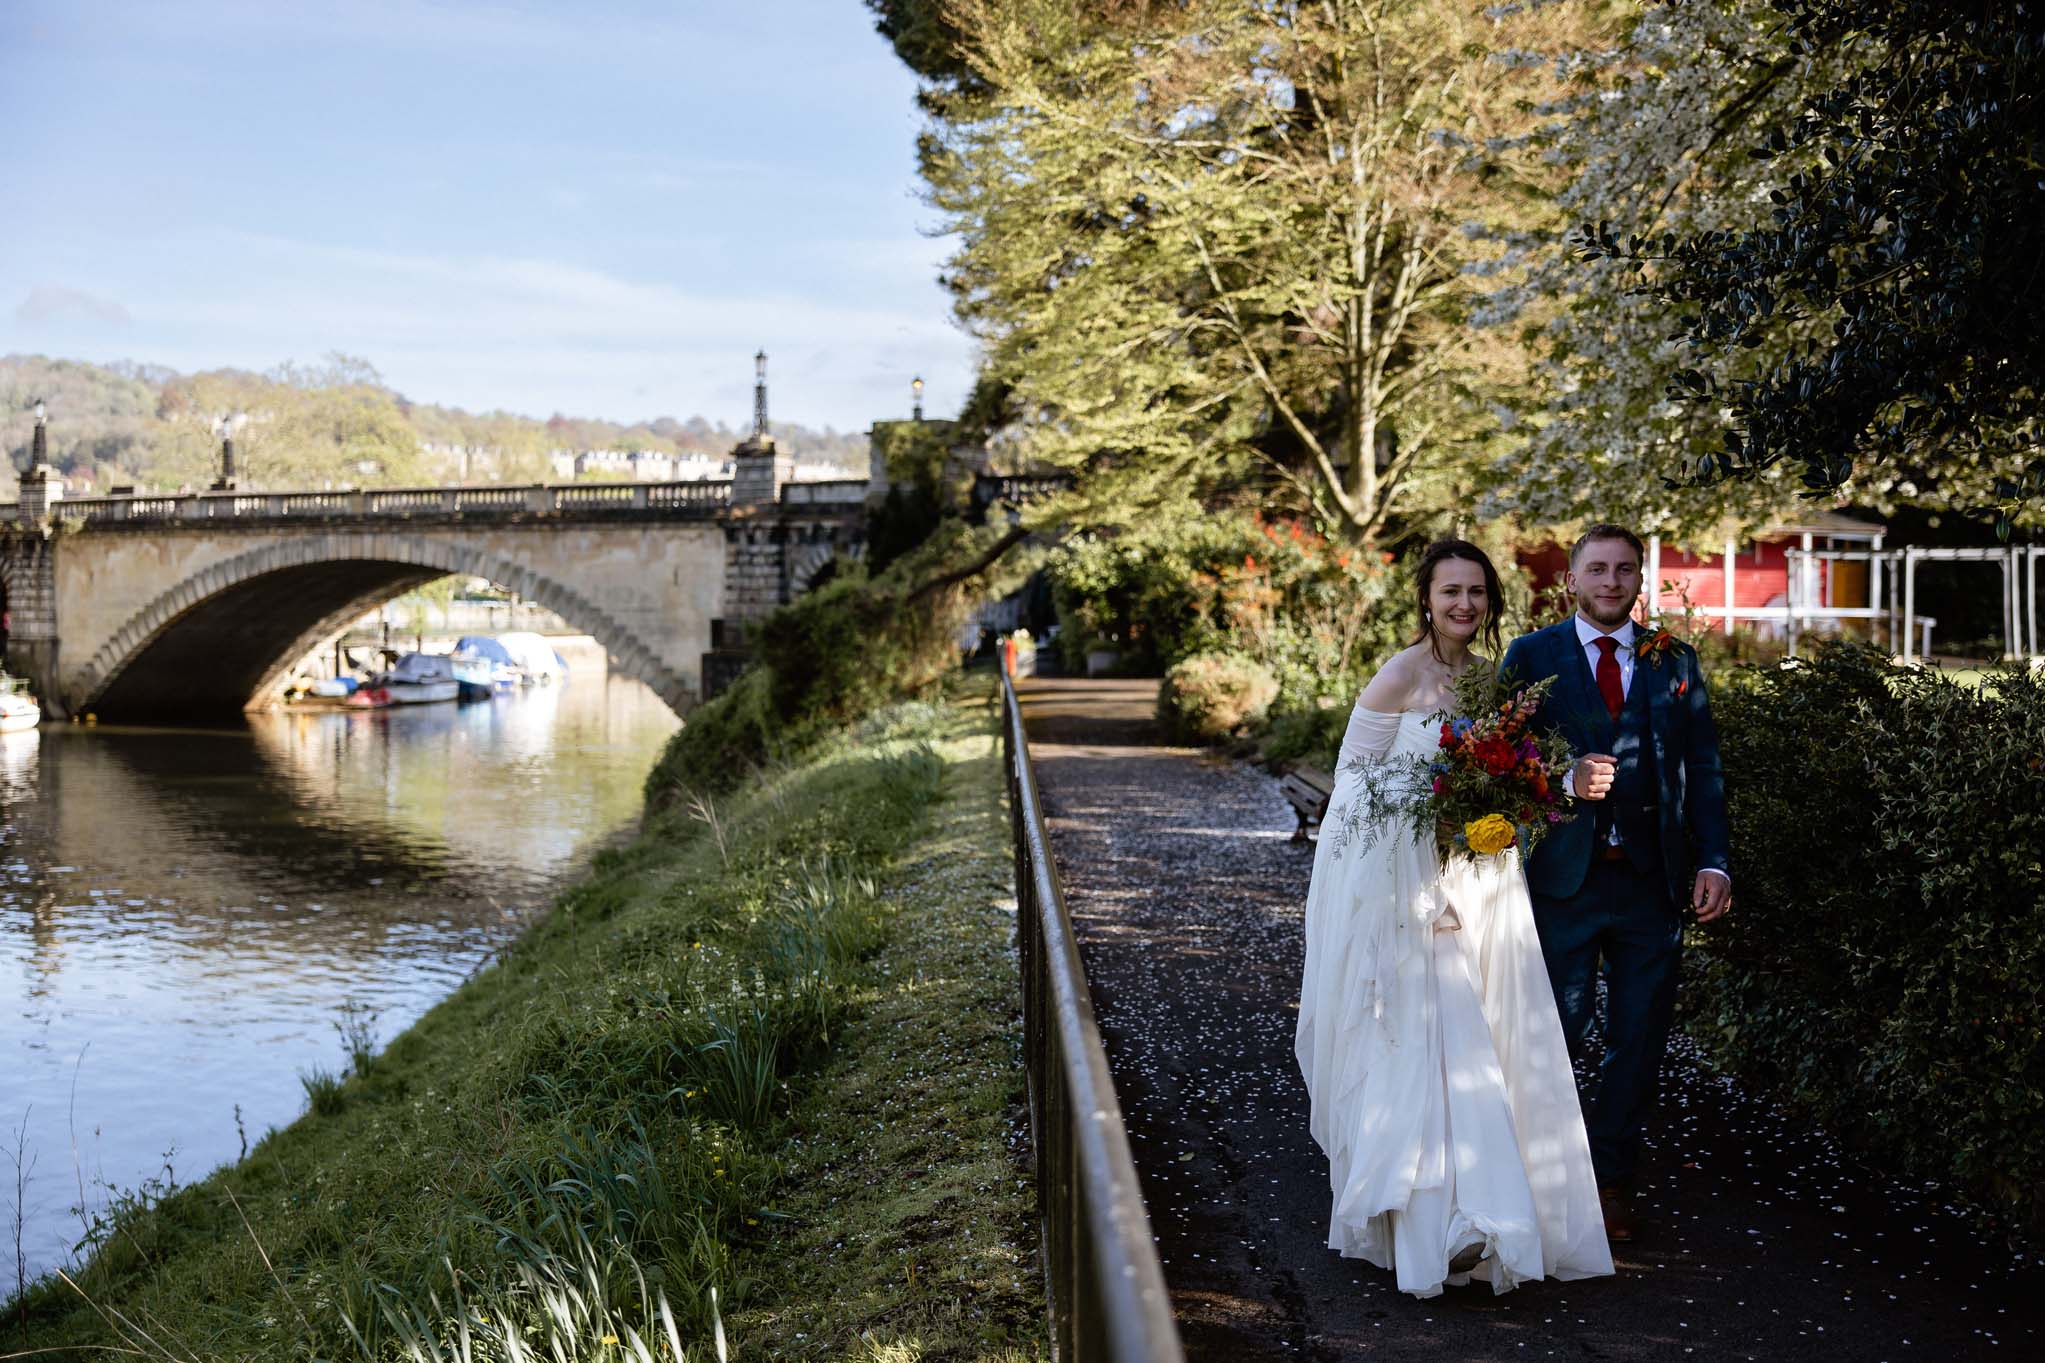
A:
[(1668, 804)]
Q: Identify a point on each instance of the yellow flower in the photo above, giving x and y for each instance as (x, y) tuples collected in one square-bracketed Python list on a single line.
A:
[(1492, 833), (610, 1339)]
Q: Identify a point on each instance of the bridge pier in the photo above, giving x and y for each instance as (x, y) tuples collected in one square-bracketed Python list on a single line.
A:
[(28, 572)]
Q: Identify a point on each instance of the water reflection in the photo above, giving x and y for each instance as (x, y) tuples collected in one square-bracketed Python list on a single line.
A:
[(183, 914)]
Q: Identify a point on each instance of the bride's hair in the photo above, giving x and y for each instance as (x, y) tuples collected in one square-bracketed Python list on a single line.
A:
[(1494, 594)]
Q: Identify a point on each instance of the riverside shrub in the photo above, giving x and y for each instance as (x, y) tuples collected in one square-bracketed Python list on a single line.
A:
[(830, 658), (1312, 737), (1317, 615), (1213, 695), (1884, 965)]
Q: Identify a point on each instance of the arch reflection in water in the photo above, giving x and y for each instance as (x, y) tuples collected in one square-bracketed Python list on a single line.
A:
[(196, 906)]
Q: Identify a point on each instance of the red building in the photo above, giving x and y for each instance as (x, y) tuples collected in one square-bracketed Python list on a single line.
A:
[(1754, 577)]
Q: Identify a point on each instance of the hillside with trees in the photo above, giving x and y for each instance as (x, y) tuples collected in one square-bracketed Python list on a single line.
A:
[(334, 423)]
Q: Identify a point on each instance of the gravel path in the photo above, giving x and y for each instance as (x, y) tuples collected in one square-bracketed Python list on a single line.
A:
[(1759, 1239)]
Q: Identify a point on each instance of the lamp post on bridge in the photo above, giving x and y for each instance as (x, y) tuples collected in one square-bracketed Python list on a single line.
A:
[(227, 424), (916, 394), (40, 486)]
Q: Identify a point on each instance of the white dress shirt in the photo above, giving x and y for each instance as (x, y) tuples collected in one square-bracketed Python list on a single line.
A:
[(1587, 635)]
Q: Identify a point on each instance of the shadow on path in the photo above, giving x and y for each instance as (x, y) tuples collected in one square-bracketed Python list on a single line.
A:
[(1759, 1240)]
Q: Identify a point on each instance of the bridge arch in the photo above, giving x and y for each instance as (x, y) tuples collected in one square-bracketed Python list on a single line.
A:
[(220, 641)]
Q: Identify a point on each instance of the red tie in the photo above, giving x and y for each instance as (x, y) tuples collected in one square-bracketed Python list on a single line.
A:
[(1608, 674)]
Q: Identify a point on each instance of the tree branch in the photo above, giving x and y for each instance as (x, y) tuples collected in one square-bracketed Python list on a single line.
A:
[(1016, 535)]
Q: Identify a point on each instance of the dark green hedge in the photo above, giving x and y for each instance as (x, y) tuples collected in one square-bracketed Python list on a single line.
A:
[(1884, 963)]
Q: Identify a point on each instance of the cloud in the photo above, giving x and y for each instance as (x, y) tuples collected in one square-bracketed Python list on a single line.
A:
[(51, 303), (532, 333)]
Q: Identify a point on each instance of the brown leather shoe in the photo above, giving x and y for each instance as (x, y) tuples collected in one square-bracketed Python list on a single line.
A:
[(1618, 1210)]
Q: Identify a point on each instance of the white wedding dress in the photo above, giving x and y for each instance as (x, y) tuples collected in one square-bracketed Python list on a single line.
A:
[(1435, 1061)]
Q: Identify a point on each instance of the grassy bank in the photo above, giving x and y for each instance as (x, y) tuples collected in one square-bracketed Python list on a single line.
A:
[(767, 1049)]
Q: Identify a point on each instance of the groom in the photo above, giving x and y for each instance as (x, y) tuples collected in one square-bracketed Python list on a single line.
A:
[(1649, 836)]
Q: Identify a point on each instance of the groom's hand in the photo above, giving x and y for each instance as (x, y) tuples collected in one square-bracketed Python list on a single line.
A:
[(1591, 777), (1710, 895)]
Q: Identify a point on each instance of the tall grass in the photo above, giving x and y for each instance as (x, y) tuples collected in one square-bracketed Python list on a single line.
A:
[(573, 1156)]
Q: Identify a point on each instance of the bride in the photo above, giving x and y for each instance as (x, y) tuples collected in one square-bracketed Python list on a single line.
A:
[(1428, 1035)]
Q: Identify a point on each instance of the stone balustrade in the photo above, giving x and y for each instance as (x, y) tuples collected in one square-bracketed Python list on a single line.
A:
[(690, 499)]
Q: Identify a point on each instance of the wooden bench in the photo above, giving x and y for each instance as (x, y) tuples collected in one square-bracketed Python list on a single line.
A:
[(1307, 789)]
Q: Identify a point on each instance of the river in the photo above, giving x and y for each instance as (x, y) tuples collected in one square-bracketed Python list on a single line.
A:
[(187, 917)]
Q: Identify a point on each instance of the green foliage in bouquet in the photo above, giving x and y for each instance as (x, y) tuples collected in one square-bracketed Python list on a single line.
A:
[(1492, 781), (1884, 964)]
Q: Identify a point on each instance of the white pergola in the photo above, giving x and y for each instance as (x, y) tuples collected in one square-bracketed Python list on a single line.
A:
[(1909, 634)]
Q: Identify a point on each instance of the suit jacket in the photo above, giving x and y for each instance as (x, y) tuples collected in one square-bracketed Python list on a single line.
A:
[(1688, 786)]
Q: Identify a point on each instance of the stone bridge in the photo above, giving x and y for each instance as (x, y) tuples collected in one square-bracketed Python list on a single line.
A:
[(191, 608)]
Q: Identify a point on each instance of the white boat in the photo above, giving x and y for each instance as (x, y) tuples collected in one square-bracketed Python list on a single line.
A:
[(18, 709), (534, 657), (475, 678), (418, 679)]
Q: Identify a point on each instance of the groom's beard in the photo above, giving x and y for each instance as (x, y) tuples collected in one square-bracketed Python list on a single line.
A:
[(1610, 617)]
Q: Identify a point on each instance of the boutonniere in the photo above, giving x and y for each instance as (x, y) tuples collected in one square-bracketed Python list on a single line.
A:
[(1654, 645)]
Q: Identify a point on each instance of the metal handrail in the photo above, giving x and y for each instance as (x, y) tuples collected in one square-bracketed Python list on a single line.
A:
[(1105, 1287)]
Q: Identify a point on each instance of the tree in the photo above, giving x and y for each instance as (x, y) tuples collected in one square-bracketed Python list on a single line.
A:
[(98, 420), (298, 433), (1207, 237), (1904, 242), (1656, 141)]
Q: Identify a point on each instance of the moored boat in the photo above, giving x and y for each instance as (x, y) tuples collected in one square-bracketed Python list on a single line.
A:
[(18, 709), (315, 693), (534, 657), (419, 679), (520, 658), (485, 650), (368, 696), (474, 678)]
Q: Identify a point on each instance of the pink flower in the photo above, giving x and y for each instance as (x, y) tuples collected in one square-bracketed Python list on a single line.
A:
[(1554, 816), (1441, 785)]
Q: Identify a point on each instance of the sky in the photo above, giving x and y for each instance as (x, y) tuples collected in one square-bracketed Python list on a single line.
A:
[(599, 208)]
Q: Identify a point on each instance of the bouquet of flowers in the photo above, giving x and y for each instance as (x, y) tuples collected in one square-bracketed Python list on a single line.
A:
[(1492, 781)]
